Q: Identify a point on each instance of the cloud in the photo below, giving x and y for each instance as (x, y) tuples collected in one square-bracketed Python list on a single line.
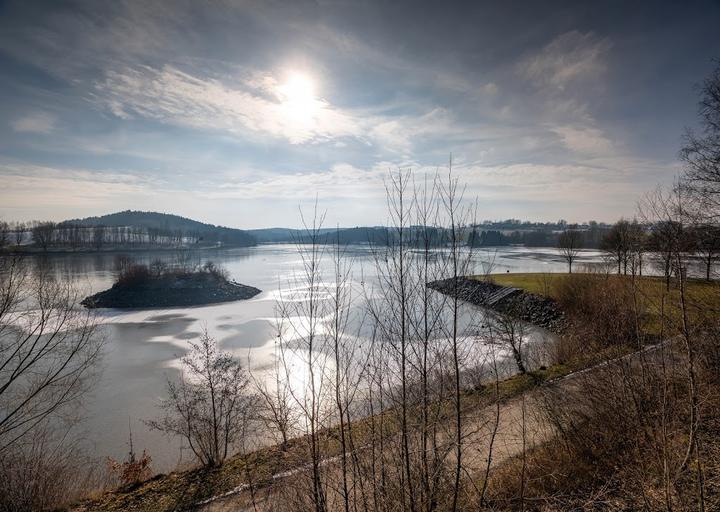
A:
[(253, 105), (584, 139), (341, 180), (489, 88), (569, 58), (353, 194), (58, 187), (36, 122), (405, 133)]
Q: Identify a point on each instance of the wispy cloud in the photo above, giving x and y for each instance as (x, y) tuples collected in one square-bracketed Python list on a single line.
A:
[(58, 187), (252, 105), (587, 140), (570, 58), (35, 122)]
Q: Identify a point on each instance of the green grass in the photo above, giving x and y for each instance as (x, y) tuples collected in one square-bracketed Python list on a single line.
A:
[(539, 283)]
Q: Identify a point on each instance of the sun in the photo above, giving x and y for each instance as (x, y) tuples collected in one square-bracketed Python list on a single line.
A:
[(298, 98)]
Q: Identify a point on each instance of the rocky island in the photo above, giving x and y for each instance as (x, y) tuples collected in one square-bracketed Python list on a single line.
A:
[(140, 286)]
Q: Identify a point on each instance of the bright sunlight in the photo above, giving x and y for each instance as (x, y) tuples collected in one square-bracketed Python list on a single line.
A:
[(298, 98)]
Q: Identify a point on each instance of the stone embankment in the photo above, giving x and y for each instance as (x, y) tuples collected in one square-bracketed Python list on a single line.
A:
[(529, 307)]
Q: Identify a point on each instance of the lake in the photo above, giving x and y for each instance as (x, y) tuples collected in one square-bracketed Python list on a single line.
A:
[(143, 347)]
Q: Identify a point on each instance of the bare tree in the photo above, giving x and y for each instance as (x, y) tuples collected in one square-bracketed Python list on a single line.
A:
[(303, 347), (4, 234), (343, 350), (390, 311), (511, 332), (637, 245), (209, 403), (98, 236), (707, 245), (671, 228), (49, 354), (616, 243), (671, 210), (275, 410), (458, 218), (48, 350), (570, 243), (701, 152), (427, 321), (495, 425), (19, 233), (43, 234)]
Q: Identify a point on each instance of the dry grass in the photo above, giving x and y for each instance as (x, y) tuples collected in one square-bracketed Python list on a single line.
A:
[(616, 428)]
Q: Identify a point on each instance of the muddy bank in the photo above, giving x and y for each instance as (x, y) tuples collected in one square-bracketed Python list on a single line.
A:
[(529, 307)]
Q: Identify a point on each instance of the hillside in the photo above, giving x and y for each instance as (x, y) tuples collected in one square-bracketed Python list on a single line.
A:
[(166, 225), (357, 235), (374, 235)]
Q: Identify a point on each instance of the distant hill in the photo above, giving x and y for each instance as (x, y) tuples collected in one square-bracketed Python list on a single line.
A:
[(375, 235), (163, 225), (275, 235), (359, 235)]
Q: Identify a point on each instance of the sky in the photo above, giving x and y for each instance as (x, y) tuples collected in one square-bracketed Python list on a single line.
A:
[(239, 113)]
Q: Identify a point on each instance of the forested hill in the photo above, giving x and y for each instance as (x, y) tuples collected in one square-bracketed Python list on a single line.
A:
[(358, 235), (163, 225)]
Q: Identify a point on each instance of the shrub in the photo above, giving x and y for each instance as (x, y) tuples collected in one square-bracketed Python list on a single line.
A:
[(158, 267), (208, 406), (217, 272), (603, 309), (133, 275), (46, 471), (133, 470)]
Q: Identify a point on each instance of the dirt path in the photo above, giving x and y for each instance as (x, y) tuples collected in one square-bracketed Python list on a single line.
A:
[(520, 427), (509, 440)]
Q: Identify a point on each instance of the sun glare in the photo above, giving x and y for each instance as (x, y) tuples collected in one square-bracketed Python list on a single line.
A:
[(298, 98)]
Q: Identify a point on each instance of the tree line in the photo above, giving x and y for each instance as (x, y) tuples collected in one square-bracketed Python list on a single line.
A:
[(47, 235), (631, 245), (536, 234)]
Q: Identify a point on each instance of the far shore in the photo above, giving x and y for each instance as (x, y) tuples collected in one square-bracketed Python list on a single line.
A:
[(35, 251)]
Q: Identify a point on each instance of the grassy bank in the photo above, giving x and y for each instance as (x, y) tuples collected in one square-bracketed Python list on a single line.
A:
[(702, 297)]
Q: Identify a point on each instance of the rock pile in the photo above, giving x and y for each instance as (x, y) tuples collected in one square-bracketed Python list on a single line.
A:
[(535, 309)]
